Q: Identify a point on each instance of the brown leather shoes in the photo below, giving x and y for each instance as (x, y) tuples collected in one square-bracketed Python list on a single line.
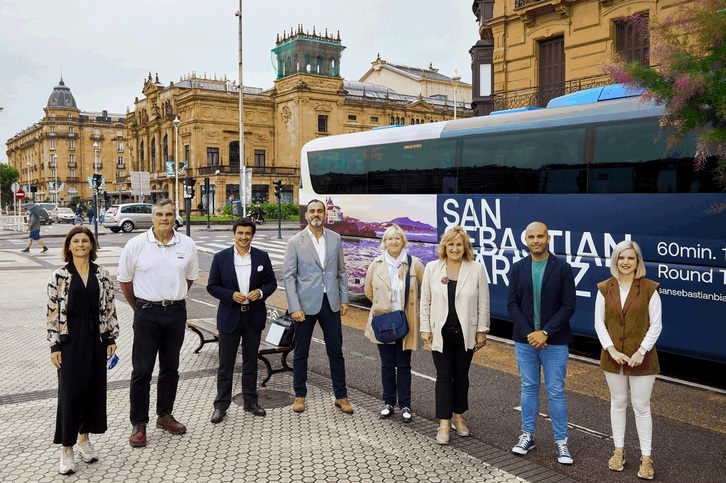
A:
[(138, 436), (344, 405), (299, 405), (168, 422)]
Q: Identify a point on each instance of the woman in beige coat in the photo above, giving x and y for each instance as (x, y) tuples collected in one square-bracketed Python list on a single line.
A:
[(455, 321), (385, 286)]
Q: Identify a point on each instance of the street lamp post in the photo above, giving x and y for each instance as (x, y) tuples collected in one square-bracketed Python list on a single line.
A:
[(29, 189), (55, 182), (96, 185), (176, 123), (456, 80)]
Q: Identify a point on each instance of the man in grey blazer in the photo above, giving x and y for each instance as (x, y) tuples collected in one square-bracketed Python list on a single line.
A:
[(317, 291)]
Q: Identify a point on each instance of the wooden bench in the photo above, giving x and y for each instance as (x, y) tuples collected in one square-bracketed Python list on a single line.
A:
[(204, 327)]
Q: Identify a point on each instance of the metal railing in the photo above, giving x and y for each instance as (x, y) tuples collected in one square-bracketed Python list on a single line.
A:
[(541, 95)]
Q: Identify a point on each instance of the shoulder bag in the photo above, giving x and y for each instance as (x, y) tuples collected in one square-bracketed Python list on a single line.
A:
[(393, 326)]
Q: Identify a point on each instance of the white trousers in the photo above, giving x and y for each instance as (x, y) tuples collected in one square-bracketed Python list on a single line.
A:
[(640, 389)]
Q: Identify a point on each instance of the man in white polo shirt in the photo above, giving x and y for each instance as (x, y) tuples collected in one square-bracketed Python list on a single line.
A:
[(155, 271)]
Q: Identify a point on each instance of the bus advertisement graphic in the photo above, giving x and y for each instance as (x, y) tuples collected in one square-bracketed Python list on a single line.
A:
[(682, 237)]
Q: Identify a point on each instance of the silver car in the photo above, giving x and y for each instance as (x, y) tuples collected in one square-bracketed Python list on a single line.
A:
[(63, 215), (129, 216)]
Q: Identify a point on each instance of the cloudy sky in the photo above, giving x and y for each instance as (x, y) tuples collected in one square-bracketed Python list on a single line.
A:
[(105, 49)]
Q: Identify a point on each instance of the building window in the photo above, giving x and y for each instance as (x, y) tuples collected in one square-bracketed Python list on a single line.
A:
[(632, 42), (53, 173), (322, 123), (165, 148), (120, 161), (72, 173), (259, 157), (71, 131), (119, 134), (352, 118), (96, 132), (72, 190), (51, 129), (72, 160), (120, 147), (186, 154), (374, 119), (260, 193), (120, 173), (212, 156), (71, 143), (52, 143), (153, 154)]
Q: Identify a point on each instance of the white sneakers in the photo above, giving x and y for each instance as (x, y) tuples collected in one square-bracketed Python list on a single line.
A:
[(67, 462), (87, 452)]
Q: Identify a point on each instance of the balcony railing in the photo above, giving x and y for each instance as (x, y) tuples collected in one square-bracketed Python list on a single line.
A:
[(256, 170), (71, 164), (541, 95), (120, 165), (72, 179)]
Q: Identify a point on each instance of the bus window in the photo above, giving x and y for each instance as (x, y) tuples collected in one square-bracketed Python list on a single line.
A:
[(340, 171), (421, 167), (635, 158), (524, 162)]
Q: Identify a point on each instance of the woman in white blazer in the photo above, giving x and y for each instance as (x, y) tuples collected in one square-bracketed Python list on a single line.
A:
[(455, 322), (385, 286)]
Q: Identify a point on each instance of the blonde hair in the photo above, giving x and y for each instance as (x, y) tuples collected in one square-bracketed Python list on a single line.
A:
[(390, 232), (450, 235), (619, 248)]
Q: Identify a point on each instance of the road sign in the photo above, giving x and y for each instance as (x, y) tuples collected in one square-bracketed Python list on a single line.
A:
[(20, 194), (15, 187)]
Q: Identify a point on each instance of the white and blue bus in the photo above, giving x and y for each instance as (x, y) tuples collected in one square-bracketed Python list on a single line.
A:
[(596, 169)]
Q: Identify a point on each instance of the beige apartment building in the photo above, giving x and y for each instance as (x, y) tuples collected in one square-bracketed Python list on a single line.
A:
[(60, 152), (546, 48)]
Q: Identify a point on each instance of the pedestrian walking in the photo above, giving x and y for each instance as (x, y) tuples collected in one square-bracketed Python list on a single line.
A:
[(34, 229), (79, 215)]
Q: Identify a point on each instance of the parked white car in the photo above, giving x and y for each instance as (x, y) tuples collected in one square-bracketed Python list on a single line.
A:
[(129, 216)]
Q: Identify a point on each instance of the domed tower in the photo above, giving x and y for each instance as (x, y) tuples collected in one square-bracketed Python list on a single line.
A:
[(61, 97)]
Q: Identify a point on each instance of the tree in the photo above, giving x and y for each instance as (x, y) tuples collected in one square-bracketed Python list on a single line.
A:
[(8, 176), (687, 75)]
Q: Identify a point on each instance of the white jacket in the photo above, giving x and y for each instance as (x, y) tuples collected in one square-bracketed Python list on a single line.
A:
[(472, 301)]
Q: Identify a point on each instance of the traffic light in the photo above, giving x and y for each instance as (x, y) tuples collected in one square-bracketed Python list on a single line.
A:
[(278, 188), (97, 180), (189, 187)]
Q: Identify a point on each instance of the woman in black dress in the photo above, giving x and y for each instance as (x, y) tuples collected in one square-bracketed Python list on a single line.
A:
[(82, 332)]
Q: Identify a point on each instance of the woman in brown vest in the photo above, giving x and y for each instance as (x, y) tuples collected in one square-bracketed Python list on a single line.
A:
[(628, 323)]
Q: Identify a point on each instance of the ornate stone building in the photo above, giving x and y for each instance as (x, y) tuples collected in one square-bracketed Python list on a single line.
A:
[(309, 99), (67, 146), (547, 48)]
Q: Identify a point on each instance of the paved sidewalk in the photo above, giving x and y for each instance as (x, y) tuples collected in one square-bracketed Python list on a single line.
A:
[(321, 444)]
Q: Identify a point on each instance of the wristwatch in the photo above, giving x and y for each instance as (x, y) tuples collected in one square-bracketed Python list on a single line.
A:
[(545, 333), (642, 351)]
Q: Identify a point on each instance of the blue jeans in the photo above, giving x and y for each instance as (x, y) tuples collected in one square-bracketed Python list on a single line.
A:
[(395, 374), (332, 328), (553, 360)]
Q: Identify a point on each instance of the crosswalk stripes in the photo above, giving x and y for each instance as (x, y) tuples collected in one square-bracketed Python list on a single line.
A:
[(274, 248)]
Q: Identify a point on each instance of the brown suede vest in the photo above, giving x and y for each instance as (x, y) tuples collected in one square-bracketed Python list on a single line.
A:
[(627, 325)]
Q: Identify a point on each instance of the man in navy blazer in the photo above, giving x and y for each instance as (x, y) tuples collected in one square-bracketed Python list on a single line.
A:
[(541, 301), (241, 278), (316, 286)]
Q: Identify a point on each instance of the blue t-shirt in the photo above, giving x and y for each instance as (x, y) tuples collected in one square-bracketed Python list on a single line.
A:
[(538, 270)]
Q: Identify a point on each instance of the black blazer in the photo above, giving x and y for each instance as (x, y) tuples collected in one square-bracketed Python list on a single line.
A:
[(557, 304), (223, 284)]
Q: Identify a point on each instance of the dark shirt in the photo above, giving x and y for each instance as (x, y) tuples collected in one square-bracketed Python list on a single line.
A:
[(83, 299)]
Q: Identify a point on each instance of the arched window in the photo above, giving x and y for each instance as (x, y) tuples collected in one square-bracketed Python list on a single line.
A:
[(288, 66), (308, 61), (393, 121), (143, 157), (296, 62), (319, 64), (165, 149)]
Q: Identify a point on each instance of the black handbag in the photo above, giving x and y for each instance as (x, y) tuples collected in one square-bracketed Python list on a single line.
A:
[(282, 332), (393, 326)]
